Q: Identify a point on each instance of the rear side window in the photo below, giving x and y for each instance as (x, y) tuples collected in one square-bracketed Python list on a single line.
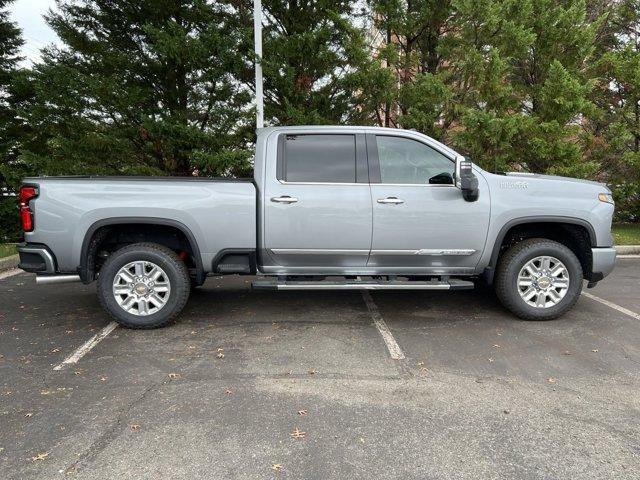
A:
[(319, 158)]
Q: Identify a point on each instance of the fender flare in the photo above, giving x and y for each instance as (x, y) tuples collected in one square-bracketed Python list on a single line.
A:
[(83, 269), (490, 270)]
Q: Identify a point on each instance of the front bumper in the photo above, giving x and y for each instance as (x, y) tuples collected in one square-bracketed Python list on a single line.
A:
[(602, 260), (36, 258)]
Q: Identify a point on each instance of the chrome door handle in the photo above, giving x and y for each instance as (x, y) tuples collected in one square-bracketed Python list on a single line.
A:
[(284, 199), (391, 200)]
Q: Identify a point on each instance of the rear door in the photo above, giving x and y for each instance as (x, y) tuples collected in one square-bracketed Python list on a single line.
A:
[(317, 208), (420, 219)]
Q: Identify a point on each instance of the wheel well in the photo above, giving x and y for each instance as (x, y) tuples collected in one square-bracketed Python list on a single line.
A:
[(575, 237), (101, 242)]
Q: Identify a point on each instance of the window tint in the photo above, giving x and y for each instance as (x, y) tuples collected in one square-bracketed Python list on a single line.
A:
[(320, 158), (403, 160)]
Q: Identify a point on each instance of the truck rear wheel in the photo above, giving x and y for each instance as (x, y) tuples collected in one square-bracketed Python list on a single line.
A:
[(538, 279), (143, 285)]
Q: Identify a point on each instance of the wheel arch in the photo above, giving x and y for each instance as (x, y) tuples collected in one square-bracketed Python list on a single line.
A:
[(552, 223), (86, 268)]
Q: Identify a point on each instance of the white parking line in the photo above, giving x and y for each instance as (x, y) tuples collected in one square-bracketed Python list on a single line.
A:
[(10, 273), (612, 305), (88, 345), (628, 256), (394, 349)]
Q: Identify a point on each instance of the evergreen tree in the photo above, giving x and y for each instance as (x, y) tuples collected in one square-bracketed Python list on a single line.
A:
[(618, 128), (140, 86), (11, 127), (317, 67), (505, 81)]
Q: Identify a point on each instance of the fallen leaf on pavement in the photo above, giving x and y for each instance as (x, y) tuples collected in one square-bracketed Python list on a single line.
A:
[(595, 350), (298, 433), (229, 391), (173, 376), (420, 364), (220, 355), (134, 427), (40, 456), (302, 412), (496, 346), (28, 415), (55, 350), (276, 466), (313, 371), (551, 380)]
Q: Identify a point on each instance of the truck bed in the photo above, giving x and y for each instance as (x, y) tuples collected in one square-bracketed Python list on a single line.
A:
[(219, 213)]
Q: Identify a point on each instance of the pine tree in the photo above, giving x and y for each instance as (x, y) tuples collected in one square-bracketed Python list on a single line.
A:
[(618, 96), (11, 127), (504, 81), (317, 66), (139, 87)]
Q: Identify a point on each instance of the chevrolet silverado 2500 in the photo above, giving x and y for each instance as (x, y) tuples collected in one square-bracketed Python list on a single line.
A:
[(328, 208)]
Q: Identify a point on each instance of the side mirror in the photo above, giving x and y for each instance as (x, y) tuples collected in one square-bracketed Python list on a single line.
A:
[(466, 180)]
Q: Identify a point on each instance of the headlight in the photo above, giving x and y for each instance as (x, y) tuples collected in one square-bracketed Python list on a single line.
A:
[(606, 197)]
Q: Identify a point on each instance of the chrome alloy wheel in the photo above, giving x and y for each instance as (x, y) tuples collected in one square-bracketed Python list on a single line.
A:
[(543, 282), (141, 288)]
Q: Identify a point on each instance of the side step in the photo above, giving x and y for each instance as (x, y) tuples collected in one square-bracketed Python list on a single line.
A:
[(275, 284)]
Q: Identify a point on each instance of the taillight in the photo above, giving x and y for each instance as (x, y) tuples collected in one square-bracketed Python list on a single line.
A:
[(26, 195)]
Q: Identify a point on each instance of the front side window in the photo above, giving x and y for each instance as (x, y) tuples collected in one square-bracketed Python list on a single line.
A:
[(319, 158), (403, 160)]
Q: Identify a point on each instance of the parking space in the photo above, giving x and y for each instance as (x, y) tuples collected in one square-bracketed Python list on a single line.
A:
[(259, 384)]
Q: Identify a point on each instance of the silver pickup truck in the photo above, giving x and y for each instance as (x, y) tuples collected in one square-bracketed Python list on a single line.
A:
[(328, 208)]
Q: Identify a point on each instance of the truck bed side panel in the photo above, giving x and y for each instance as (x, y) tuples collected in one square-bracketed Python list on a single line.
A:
[(219, 214)]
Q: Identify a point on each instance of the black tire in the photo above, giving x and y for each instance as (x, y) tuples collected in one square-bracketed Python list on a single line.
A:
[(173, 266), (515, 258)]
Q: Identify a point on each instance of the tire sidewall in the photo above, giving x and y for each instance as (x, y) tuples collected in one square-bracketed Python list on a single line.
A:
[(111, 268), (558, 251)]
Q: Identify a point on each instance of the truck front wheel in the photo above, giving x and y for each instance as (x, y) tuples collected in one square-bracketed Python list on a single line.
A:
[(143, 285), (538, 279)]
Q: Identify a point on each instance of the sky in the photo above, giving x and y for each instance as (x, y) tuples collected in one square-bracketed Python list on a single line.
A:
[(28, 14)]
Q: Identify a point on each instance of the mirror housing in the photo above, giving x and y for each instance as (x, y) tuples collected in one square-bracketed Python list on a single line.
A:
[(466, 180)]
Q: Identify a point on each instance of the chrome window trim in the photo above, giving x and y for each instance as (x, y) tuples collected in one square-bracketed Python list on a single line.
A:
[(369, 184), (321, 183), (414, 185)]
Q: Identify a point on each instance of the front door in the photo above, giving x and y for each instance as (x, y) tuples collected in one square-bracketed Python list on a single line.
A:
[(318, 208), (420, 220)]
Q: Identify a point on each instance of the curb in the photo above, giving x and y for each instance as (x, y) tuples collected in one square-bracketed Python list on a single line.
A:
[(7, 263), (628, 249)]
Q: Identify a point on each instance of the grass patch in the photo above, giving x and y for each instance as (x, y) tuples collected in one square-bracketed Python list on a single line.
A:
[(627, 234), (7, 250)]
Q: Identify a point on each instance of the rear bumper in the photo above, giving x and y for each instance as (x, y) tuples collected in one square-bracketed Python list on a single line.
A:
[(603, 261), (36, 258)]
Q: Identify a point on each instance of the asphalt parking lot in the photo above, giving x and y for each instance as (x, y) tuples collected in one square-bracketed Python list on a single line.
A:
[(259, 384)]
